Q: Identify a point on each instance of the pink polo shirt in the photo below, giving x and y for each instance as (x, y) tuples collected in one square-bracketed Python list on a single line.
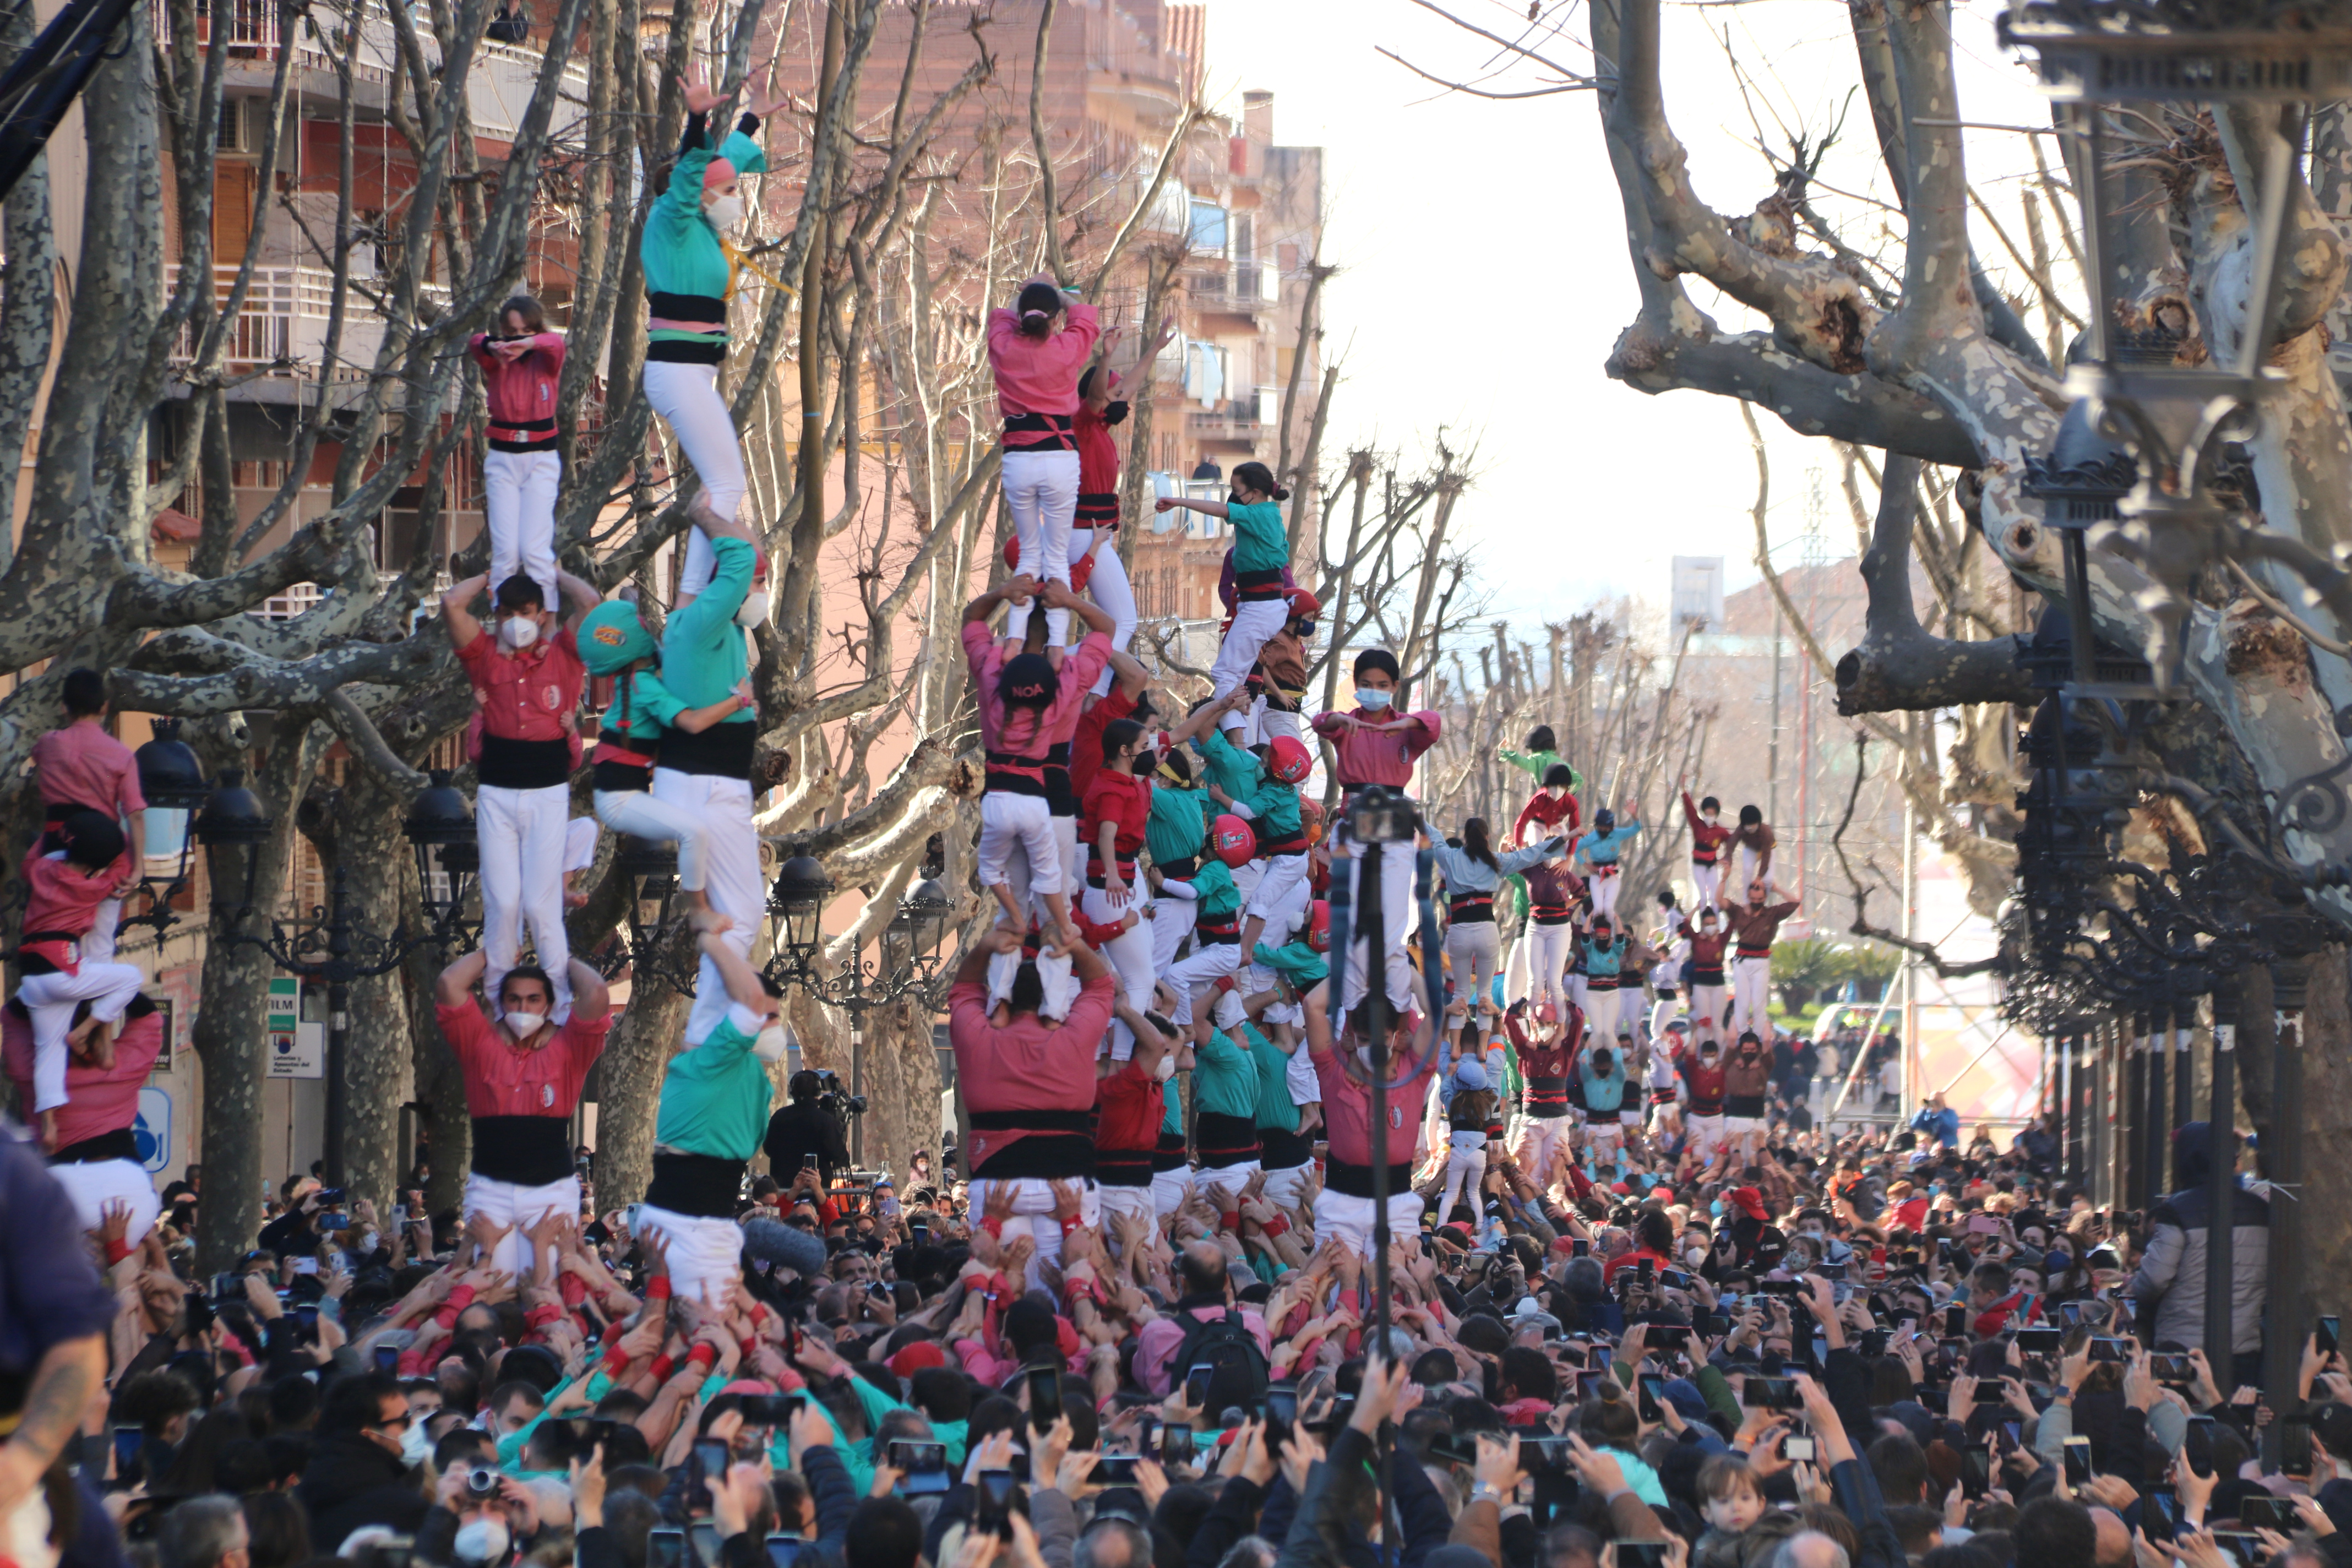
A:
[(1378, 756), (504, 1080), (1039, 375), (99, 1101), (1030, 1066), (82, 765), (1348, 1111), (1059, 723)]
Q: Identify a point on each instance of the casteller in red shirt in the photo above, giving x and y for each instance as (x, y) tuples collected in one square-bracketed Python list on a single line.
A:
[(520, 1093)]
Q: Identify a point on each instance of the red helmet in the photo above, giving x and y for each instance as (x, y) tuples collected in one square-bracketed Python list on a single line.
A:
[(1288, 759), (1319, 926), (1304, 606), (1232, 841)]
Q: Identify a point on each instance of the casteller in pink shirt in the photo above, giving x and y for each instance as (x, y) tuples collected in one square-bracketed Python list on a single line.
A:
[(81, 765), (1040, 375), (1347, 1110), (1073, 681), (1378, 756), (99, 1101)]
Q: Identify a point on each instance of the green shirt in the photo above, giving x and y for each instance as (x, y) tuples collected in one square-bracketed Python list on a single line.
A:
[(702, 647), (714, 1101), (1172, 1118), (1213, 882), (1260, 544), (1232, 769), (1541, 763), (1177, 827), (1295, 961), (1276, 1108), (1224, 1078), (681, 251)]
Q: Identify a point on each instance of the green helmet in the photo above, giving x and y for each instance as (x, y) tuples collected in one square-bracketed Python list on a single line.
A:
[(612, 639)]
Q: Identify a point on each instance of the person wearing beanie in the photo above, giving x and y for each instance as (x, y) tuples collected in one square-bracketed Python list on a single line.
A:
[(1753, 838), (690, 273), (65, 887), (1599, 851), (527, 677), (613, 642), (2169, 1286)]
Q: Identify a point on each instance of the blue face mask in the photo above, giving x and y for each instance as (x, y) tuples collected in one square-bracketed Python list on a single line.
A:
[(1368, 696)]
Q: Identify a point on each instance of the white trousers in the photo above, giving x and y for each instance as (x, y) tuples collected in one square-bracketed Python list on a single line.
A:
[(1111, 593), (1254, 623), (1026, 821), (1129, 953), (706, 1254), (1284, 1183), (1751, 993), (1542, 1140), (1601, 1012), (93, 1185), (1171, 922), (1603, 886), (1169, 1189), (638, 812), (98, 943), (518, 1208), (1206, 963), (1131, 1203), (50, 1000), (1706, 1011), (1350, 1218), (1265, 723), (1517, 969), (1398, 914), (1548, 950), (1707, 881), (731, 879), (1033, 1211), (1226, 1180), (1748, 859), (687, 397), (1473, 945), (1664, 1011), (1466, 1166), (519, 502), (1041, 488), (521, 832), (1706, 1135)]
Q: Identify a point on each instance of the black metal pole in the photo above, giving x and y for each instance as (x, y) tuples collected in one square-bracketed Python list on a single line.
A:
[(2184, 1064), (339, 1018), (2289, 1318), (1374, 921), (2221, 1192), (2153, 1126), (2130, 1097)]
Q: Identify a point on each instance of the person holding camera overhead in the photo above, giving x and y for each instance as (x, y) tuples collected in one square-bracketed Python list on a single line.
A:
[(805, 1134)]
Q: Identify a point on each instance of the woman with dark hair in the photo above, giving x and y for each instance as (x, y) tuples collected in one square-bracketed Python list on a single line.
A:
[(522, 471), (278, 1530), (1036, 347), (1260, 554), (1472, 873)]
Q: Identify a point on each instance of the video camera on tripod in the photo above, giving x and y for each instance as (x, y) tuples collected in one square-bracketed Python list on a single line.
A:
[(835, 1098)]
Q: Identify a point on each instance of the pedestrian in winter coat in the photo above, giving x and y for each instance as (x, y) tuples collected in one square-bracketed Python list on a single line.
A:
[(2171, 1282)]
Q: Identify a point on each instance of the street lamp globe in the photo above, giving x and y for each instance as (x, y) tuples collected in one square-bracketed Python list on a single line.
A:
[(233, 828), (172, 782), (440, 828), (802, 889), (927, 909)]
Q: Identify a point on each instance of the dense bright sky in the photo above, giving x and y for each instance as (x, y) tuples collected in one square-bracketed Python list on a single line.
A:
[(1486, 276)]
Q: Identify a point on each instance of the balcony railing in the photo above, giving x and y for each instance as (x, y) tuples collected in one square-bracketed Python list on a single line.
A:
[(503, 76)]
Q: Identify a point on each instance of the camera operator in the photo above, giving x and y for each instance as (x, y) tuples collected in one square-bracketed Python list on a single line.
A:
[(806, 1132)]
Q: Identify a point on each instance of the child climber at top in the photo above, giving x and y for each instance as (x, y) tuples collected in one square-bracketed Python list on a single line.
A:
[(1261, 552)]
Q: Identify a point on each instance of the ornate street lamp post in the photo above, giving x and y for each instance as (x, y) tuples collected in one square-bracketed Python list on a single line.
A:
[(326, 946)]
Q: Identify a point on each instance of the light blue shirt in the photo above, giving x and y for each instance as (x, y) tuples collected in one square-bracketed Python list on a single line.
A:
[(1602, 849), (1466, 873)]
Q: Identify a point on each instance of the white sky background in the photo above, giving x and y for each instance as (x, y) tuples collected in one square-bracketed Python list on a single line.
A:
[(1486, 274)]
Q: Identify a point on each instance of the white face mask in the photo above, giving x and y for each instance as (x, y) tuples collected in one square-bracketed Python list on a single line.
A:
[(770, 1047), (518, 631), (525, 1025), (416, 1444), (1368, 696), (724, 211), (482, 1540), (755, 608)]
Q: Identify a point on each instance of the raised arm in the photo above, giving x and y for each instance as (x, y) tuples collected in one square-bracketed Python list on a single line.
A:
[(988, 603), (1214, 508), (1058, 596), (458, 982), (589, 997), (1204, 718), (743, 983), (582, 592), (463, 627)]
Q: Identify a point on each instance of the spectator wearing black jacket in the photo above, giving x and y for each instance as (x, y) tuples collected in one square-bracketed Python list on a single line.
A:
[(356, 1475), (803, 1134)]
